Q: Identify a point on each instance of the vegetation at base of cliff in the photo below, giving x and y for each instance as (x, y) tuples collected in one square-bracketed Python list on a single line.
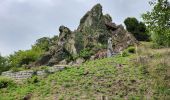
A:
[(6, 83), (86, 53), (141, 75), (20, 59)]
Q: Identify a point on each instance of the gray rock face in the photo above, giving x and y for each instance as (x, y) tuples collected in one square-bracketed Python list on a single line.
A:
[(109, 48), (122, 39), (67, 39), (93, 32), (21, 75), (93, 27), (18, 75), (91, 18), (79, 61), (63, 48)]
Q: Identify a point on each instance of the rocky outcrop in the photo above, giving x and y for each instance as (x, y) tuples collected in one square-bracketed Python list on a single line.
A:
[(93, 19), (93, 33), (122, 39), (93, 27), (63, 49)]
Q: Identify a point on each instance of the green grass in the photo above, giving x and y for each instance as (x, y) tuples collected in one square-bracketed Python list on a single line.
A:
[(116, 78)]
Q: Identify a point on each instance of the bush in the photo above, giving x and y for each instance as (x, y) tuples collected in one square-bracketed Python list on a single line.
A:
[(43, 43), (33, 80), (6, 82), (24, 57), (131, 49), (125, 54), (138, 29), (44, 67), (3, 64), (86, 53), (156, 46)]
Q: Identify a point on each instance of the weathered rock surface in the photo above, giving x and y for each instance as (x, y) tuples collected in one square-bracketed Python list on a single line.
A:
[(29, 73), (93, 32), (63, 49)]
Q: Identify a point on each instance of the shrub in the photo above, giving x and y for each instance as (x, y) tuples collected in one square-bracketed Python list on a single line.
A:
[(125, 54), (103, 38), (33, 80), (43, 43), (86, 53), (6, 82), (131, 49), (156, 46), (44, 67), (144, 70), (3, 64), (24, 57), (138, 29)]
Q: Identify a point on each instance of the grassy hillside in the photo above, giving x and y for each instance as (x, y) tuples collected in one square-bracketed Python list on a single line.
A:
[(144, 75)]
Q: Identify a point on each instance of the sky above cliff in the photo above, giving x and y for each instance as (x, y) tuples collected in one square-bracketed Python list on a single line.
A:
[(24, 21)]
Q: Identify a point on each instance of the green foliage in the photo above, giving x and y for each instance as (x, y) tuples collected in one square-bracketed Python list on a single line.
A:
[(24, 57), (131, 49), (42, 43), (131, 24), (115, 78), (86, 53), (125, 54), (138, 29), (33, 80), (6, 82), (74, 57), (53, 40), (156, 46), (158, 21), (3, 64), (44, 67), (103, 38), (15, 69)]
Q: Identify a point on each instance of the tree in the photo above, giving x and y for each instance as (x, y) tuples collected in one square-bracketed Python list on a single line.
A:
[(43, 43), (3, 64), (138, 29), (158, 22), (21, 57), (25, 57)]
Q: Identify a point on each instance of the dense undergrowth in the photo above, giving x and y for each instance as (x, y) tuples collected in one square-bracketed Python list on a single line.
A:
[(142, 74)]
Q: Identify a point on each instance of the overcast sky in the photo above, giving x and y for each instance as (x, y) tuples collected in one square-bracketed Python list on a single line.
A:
[(24, 21)]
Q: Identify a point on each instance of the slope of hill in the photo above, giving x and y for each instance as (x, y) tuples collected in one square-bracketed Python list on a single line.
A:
[(144, 75)]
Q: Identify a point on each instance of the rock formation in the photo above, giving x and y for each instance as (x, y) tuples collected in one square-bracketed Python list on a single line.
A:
[(93, 32), (109, 48)]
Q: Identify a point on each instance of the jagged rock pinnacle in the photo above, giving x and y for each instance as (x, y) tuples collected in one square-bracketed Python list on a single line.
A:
[(93, 32), (92, 18)]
